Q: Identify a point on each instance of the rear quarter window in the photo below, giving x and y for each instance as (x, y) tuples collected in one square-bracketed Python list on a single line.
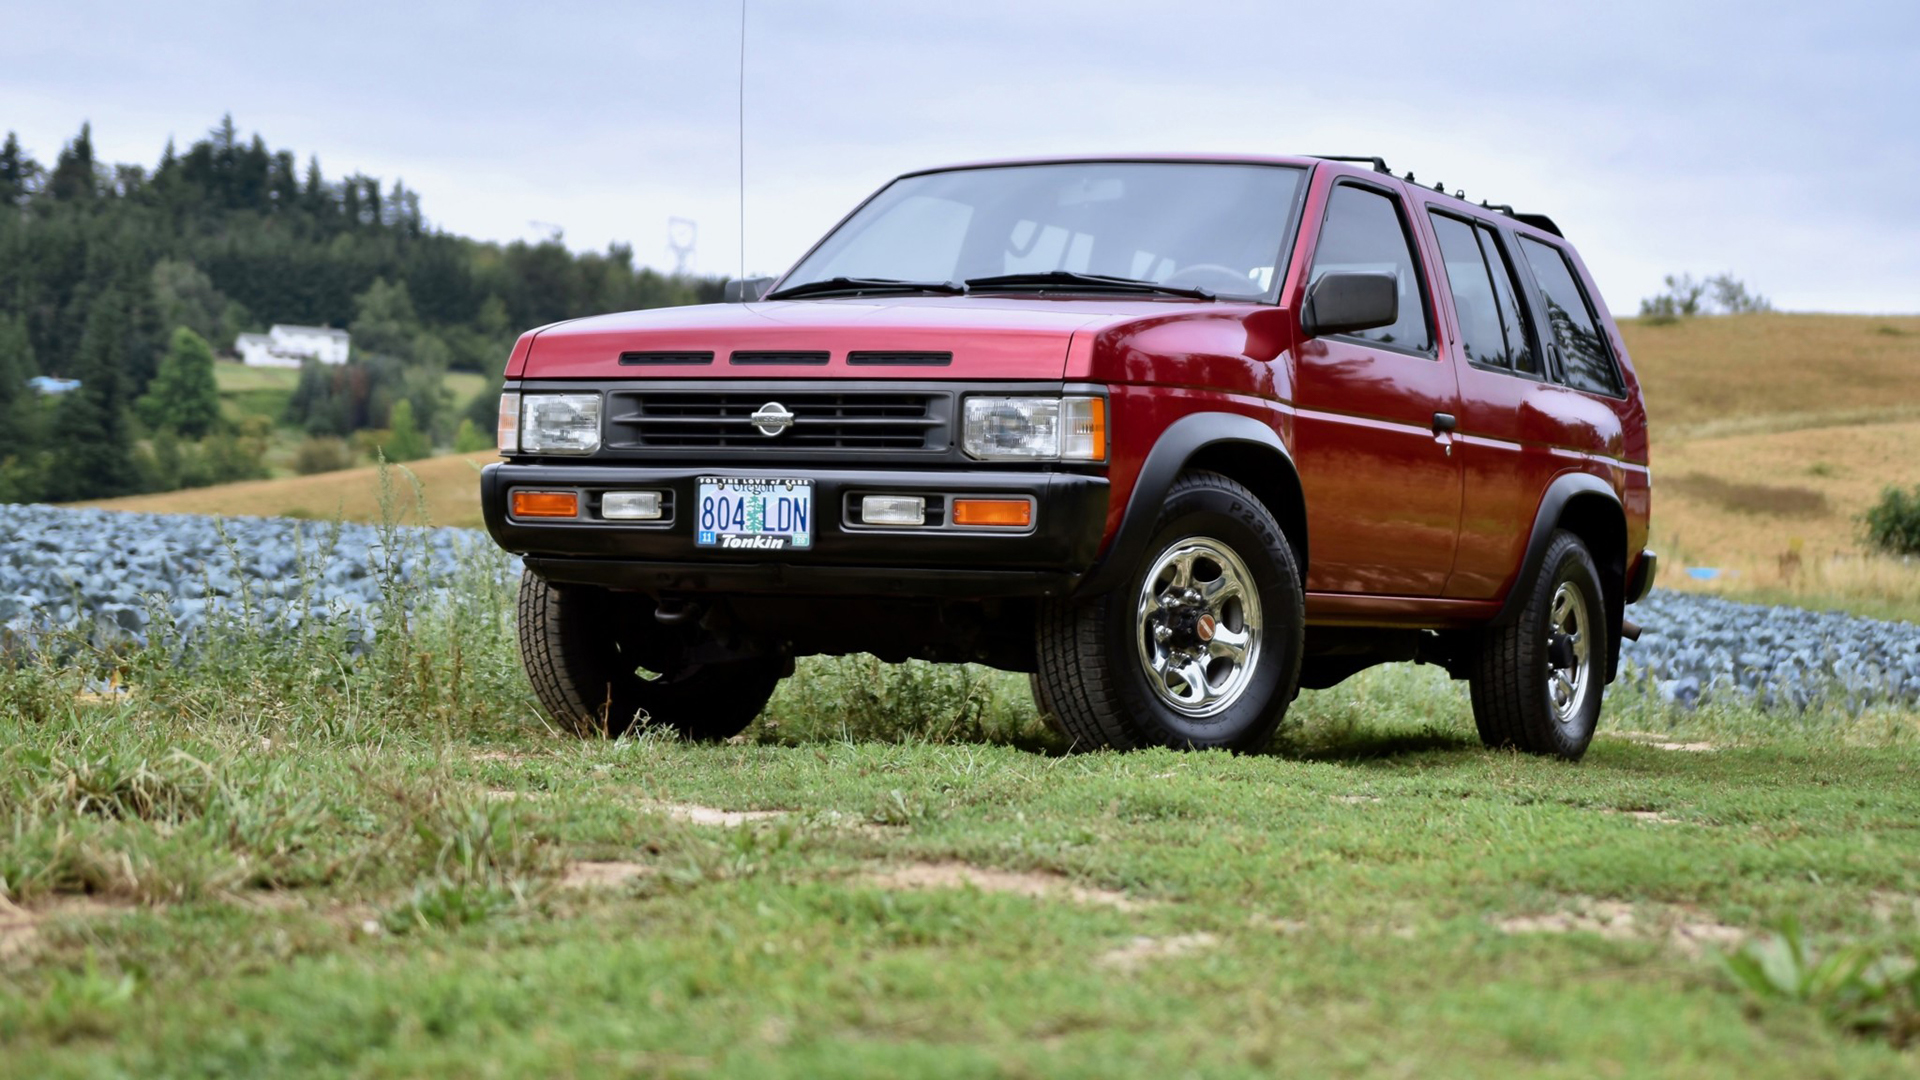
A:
[(1584, 356)]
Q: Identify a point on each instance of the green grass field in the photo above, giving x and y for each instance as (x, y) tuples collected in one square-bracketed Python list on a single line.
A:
[(294, 858)]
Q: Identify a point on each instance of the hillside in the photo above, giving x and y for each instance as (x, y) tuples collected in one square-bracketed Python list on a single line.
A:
[(450, 487), (1772, 434)]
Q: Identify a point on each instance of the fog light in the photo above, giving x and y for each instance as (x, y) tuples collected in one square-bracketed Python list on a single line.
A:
[(1005, 513), (893, 510), (631, 506), (546, 504)]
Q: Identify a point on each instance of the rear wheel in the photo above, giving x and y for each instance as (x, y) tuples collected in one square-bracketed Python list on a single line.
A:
[(599, 662), (1536, 685), (1201, 646)]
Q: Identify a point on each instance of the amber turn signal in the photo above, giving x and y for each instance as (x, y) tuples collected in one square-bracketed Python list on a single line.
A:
[(546, 504), (1010, 513)]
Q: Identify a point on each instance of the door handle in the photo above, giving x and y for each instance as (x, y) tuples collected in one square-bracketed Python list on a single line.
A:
[(1443, 422)]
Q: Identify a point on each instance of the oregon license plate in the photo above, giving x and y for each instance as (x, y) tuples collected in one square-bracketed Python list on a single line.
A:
[(755, 513)]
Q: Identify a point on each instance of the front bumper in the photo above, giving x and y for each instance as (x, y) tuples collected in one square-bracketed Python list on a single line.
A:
[(845, 559)]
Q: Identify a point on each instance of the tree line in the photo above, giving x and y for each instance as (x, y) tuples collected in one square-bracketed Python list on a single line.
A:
[(103, 267)]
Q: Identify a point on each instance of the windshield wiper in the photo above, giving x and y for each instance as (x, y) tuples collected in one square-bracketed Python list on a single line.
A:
[(1073, 280), (858, 286)]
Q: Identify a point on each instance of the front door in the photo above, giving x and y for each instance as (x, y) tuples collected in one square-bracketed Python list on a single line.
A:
[(1372, 435)]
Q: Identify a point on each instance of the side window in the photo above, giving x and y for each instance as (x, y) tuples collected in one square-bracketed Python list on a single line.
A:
[(1506, 293), (1363, 232), (1482, 336), (1583, 351)]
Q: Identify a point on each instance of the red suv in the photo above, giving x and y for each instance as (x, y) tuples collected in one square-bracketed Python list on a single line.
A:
[(1177, 435)]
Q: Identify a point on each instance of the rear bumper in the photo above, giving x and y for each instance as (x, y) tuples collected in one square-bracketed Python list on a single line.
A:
[(845, 559), (1640, 578)]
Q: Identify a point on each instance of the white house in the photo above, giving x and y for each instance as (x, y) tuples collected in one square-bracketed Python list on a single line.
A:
[(290, 346)]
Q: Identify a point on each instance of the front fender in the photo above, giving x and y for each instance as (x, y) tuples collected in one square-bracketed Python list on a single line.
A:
[(1193, 436)]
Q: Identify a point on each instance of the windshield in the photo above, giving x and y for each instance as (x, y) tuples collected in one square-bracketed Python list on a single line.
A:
[(1207, 226)]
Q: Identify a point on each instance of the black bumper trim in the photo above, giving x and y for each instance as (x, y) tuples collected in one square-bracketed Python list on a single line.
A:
[(1047, 560)]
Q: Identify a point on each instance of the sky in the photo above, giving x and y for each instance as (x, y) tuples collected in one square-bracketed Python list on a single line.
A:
[(1775, 141)]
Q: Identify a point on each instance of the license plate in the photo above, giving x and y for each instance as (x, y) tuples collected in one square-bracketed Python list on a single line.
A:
[(753, 513)]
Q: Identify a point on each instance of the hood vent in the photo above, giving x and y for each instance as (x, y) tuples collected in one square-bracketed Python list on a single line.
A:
[(775, 359), (899, 359), (682, 359)]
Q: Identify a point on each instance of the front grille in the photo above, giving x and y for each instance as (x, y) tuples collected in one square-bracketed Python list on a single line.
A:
[(822, 420)]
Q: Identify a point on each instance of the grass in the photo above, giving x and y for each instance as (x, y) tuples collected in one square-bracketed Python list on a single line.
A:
[(286, 853)]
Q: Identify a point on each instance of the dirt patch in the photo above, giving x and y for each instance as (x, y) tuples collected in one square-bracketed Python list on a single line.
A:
[(20, 927), (510, 795), (603, 875), (954, 875), (1653, 816), (18, 930), (1142, 950), (707, 815), (1685, 930), (1662, 742), (511, 757), (1356, 800)]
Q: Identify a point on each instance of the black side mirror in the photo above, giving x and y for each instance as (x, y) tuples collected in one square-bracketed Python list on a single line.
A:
[(741, 292), (1343, 303)]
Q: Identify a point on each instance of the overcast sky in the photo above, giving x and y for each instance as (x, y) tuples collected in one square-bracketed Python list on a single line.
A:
[(1778, 141)]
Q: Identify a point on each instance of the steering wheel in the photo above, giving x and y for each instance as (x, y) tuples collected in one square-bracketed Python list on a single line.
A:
[(1214, 278)]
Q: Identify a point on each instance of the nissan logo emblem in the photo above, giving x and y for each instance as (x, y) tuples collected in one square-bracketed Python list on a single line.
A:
[(772, 418)]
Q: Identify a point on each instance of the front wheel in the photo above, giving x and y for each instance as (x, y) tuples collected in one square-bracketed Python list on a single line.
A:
[(1200, 648), (599, 662), (1536, 685)]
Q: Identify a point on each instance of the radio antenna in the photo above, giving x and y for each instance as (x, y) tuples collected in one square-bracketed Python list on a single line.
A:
[(743, 146)]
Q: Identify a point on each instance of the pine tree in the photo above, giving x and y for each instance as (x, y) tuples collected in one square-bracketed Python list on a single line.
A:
[(16, 362), (75, 176), (183, 395), (92, 440), (19, 173)]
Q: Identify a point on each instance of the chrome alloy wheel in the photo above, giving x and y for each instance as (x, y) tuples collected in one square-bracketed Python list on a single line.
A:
[(1197, 626), (1569, 652)]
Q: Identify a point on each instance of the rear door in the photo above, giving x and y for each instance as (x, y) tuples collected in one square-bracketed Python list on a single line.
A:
[(1370, 438)]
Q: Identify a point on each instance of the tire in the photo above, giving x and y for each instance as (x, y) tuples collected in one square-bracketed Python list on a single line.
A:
[(1530, 693), (586, 650), (1111, 667)]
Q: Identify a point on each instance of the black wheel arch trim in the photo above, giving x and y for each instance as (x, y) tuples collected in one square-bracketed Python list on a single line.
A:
[(1567, 490), (1194, 436)]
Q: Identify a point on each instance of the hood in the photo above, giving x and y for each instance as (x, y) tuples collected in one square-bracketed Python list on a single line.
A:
[(945, 337)]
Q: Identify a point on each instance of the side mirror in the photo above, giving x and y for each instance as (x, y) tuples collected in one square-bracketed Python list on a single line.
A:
[(742, 292), (1343, 303)]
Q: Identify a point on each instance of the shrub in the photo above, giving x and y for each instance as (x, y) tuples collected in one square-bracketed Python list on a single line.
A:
[(325, 453), (1893, 523)]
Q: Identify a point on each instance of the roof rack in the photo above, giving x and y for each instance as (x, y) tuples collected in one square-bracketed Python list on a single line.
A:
[(1538, 221), (1379, 164)]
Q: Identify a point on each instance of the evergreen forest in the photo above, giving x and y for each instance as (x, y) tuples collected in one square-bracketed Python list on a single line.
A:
[(131, 279)]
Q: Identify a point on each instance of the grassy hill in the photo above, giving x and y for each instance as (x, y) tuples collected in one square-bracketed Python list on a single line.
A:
[(1771, 435), (449, 486)]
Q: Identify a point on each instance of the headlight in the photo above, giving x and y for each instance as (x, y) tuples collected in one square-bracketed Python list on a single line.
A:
[(560, 423), (1036, 428)]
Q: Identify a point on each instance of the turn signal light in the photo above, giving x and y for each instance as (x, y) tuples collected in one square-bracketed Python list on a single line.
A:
[(546, 504), (1008, 513)]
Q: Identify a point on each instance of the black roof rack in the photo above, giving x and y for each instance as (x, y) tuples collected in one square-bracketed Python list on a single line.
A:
[(1379, 164), (1538, 221)]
